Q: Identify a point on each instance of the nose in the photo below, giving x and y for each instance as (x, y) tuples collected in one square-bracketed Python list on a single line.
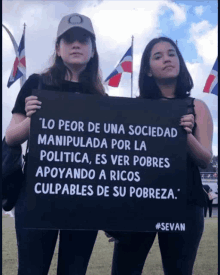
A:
[(76, 44), (166, 58)]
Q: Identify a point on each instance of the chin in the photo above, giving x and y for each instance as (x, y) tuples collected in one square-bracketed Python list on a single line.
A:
[(171, 76), (76, 63)]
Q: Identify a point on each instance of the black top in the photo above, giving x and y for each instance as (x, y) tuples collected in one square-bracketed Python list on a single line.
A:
[(32, 83)]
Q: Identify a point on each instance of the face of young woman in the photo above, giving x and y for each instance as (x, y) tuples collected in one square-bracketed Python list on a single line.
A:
[(77, 52), (164, 62)]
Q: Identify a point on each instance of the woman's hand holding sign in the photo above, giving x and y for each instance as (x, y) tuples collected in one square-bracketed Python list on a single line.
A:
[(32, 104), (187, 121)]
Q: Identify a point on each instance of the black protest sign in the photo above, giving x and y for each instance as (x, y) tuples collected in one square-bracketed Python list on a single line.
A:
[(106, 163)]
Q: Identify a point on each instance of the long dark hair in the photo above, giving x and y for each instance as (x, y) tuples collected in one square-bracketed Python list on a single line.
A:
[(147, 85), (90, 77)]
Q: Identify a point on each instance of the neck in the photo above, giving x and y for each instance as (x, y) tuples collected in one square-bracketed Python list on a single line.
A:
[(167, 87), (76, 71)]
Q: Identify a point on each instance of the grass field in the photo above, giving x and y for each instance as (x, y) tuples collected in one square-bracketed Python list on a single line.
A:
[(100, 262)]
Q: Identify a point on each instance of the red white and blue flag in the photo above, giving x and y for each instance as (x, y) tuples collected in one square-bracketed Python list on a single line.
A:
[(211, 85), (19, 67), (124, 66)]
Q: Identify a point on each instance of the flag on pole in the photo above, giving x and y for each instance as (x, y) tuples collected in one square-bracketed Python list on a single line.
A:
[(125, 65), (211, 85), (19, 67)]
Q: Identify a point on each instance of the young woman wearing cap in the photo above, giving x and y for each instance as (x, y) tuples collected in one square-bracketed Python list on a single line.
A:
[(75, 69), (164, 76)]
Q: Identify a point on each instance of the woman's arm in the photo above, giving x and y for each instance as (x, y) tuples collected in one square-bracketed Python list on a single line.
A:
[(19, 127), (200, 145), (18, 130)]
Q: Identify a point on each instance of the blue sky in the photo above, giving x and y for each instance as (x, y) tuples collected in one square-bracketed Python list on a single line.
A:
[(196, 11), (192, 23)]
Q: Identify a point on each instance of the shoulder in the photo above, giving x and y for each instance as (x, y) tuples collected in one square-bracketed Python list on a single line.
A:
[(30, 83), (25, 91), (201, 107), (32, 80), (200, 104), (203, 116)]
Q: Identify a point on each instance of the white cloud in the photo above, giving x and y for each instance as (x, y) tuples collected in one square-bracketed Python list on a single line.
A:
[(205, 38), (215, 150), (199, 10), (215, 132), (179, 12), (115, 22), (7, 42), (200, 28)]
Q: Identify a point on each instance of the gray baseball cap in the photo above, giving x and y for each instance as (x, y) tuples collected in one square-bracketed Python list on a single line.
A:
[(75, 20)]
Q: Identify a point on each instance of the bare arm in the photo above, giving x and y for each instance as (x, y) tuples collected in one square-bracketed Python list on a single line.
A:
[(19, 126), (200, 145), (18, 129)]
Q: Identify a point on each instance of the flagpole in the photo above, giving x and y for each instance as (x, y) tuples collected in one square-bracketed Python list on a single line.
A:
[(132, 41), (23, 78)]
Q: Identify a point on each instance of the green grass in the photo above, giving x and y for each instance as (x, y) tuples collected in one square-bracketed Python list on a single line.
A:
[(100, 262)]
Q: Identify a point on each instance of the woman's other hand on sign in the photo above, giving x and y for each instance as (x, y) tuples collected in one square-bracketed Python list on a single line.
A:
[(32, 104), (187, 121)]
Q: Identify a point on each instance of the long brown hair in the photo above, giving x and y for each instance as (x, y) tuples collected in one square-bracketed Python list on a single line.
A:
[(90, 77), (147, 85)]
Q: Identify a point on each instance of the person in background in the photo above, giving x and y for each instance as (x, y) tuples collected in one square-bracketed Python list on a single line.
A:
[(75, 69), (209, 202), (164, 76)]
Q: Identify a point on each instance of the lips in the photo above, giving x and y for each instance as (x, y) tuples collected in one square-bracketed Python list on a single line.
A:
[(169, 66), (75, 53)]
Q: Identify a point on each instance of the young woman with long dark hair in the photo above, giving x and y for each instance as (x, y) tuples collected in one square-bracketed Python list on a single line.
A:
[(75, 69), (164, 76)]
